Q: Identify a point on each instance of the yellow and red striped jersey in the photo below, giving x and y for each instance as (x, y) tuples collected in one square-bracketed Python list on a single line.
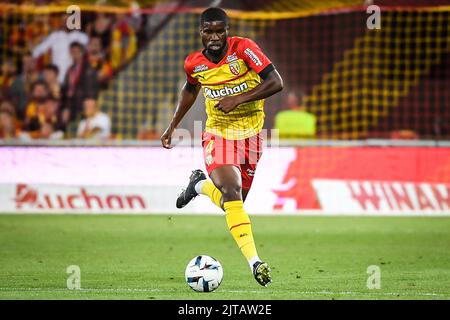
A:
[(236, 73)]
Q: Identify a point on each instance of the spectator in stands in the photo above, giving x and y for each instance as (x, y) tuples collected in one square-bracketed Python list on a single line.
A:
[(59, 42), (25, 35), (34, 114), (138, 22), (21, 87), (16, 41), (135, 18), (7, 77), (96, 123), (46, 122), (124, 42), (52, 127), (80, 83), (98, 61), (50, 76), (49, 132), (295, 122), (8, 124), (7, 105), (53, 117), (101, 28)]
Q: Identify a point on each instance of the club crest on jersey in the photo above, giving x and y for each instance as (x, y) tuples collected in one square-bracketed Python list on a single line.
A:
[(225, 91), (201, 67), (235, 68)]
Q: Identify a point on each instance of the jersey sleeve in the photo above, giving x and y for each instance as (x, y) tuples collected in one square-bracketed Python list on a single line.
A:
[(188, 70), (253, 55)]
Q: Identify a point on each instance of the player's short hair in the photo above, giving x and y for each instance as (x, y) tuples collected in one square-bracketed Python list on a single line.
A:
[(213, 14)]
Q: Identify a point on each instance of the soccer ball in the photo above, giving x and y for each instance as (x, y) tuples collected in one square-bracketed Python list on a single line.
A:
[(204, 274)]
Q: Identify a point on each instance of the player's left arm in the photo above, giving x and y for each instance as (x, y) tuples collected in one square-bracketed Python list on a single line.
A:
[(271, 79)]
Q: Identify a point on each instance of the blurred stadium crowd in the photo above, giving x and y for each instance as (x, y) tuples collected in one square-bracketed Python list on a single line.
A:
[(119, 76), (48, 82)]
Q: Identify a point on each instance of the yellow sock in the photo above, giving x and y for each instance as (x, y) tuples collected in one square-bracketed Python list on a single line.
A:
[(241, 228), (210, 190)]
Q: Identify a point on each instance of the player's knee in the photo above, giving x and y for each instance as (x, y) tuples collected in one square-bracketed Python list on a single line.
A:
[(231, 192)]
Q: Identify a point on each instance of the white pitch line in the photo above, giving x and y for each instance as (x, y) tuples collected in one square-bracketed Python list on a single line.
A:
[(118, 290), (87, 290), (375, 293)]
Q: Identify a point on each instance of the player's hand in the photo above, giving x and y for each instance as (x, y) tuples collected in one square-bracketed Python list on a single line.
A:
[(166, 138), (227, 104)]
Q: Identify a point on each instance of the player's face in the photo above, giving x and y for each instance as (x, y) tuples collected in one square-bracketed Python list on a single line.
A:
[(214, 36)]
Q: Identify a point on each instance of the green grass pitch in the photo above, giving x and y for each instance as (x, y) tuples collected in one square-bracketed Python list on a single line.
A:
[(144, 257)]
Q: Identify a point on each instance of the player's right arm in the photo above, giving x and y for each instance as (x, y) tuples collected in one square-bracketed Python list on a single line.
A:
[(187, 98)]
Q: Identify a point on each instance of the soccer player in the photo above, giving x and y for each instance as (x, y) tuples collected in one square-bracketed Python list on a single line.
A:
[(236, 77)]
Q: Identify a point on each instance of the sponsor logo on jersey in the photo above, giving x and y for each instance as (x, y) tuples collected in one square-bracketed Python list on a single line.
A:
[(253, 56), (235, 68), (232, 57), (201, 67), (225, 91)]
